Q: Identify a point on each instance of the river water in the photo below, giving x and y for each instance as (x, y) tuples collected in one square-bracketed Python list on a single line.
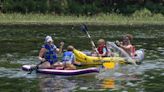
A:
[(20, 44)]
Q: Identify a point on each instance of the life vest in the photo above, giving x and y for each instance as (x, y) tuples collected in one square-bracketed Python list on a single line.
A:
[(50, 54), (100, 50), (68, 56)]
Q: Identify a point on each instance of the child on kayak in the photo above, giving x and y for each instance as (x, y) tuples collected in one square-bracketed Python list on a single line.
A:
[(68, 59), (102, 49), (126, 44), (48, 53)]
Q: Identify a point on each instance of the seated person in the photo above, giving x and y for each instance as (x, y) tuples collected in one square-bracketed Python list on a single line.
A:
[(68, 59), (126, 45), (102, 49), (48, 53)]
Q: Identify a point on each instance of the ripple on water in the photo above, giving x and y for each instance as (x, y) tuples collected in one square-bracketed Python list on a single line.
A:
[(162, 74), (150, 64), (161, 50), (56, 84), (15, 73), (28, 60)]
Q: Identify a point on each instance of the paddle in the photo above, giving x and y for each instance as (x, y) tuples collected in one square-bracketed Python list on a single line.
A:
[(35, 68), (85, 30), (108, 65), (124, 53)]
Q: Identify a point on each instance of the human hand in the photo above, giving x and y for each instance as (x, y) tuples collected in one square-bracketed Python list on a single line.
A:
[(42, 59), (117, 42), (61, 43)]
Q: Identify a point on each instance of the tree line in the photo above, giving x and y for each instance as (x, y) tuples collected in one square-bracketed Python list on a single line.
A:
[(80, 7)]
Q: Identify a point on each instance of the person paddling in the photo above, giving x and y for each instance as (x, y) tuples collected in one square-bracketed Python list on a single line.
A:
[(102, 49), (126, 44), (48, 53)]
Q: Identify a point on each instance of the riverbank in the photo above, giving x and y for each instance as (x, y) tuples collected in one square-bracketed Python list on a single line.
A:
[(101, 19)]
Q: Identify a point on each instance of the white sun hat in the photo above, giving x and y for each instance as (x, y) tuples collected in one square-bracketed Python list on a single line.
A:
[(48, 39)]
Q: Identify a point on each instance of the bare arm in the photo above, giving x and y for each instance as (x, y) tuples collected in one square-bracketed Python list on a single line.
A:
[(125, 47), (104, 54), (120, 44), (41, 54), (59, 51)]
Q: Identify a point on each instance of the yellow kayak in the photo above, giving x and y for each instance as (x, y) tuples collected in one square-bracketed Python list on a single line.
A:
[(122, 56), (90, 60)]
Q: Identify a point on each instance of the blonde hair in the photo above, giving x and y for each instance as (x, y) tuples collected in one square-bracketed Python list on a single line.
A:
[(100, 41)]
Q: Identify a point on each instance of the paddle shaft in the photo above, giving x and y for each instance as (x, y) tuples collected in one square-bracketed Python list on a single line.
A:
[(107, 65), (93, 44), (128, 58), (35, 67)]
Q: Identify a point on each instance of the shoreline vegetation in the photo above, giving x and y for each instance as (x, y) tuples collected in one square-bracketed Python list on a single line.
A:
[(143, 17), (76, 12)]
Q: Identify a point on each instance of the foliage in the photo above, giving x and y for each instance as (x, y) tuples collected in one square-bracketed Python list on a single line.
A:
[(81, 7), (139, 17), (142, 13)]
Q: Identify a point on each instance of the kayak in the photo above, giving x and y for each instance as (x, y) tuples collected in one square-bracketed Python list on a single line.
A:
[(62, 72), (90, 60)]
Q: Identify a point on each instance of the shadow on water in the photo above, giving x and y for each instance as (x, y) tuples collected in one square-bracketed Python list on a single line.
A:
[(20, 45)]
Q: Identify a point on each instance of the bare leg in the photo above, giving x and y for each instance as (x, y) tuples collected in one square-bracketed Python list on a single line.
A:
[(77, 63), (58, 65), (45, 65), (70, 67)]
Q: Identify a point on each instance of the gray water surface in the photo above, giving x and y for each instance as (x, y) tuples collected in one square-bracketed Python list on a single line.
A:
[(20, 45)]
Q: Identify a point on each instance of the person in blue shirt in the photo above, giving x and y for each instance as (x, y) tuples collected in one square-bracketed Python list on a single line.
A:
[(48, 53), (68, 59)]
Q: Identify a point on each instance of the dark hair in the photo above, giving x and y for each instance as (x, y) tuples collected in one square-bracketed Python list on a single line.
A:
[(130, 37)]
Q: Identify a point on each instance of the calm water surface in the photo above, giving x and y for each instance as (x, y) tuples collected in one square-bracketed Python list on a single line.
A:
[(19, 45)]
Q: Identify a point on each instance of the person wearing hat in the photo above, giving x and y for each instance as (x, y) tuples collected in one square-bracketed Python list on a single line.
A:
[(48, 53)]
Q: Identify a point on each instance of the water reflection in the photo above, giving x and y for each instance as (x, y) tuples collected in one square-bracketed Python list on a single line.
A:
[(108, 83), (120, 81), (56, 84)]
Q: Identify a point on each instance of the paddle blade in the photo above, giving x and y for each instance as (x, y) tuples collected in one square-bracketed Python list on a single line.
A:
[(84, 28), (109, 65)]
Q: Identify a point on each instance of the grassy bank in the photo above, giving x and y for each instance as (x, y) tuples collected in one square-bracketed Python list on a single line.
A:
[(101, 19)]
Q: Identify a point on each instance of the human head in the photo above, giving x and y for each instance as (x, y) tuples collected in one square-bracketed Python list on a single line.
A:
[(101, 42), (70, 48), (127, 38), (48, 39)]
